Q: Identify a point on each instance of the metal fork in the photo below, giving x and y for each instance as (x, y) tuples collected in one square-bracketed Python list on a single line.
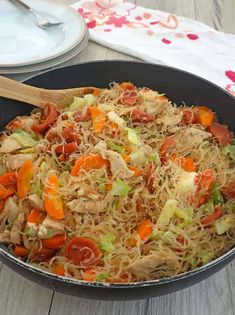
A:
[(41, 21)]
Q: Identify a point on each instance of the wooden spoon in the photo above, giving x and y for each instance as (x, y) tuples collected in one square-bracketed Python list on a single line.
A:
[(37, 96)]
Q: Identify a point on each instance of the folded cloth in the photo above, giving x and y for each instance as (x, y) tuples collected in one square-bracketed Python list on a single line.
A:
[(162, 38)]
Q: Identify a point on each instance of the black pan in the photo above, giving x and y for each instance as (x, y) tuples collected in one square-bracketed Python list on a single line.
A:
[(179, 86)]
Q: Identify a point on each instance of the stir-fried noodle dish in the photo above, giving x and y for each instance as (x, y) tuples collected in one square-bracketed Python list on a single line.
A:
[(120, 186)]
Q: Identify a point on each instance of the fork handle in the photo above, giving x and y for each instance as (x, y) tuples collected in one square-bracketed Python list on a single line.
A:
[(23, 4)]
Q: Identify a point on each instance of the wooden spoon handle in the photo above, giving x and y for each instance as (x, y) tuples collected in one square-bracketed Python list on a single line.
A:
[(21, 92), (37, 96)]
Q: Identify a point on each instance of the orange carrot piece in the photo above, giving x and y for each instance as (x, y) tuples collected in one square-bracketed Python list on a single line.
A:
[(98, 118), (52, 199), (204, 115), (8, 180), (54, 242), (89, 275), (145, 230), (131, 242), (96, 92), (126, 157), (58, 270), (128, 149), (88, 162), (24, 177), (109, 186), (21, 251), (35, 216), (6, 193), (211, 218), (127, 86), (185, 163), (136, 170)]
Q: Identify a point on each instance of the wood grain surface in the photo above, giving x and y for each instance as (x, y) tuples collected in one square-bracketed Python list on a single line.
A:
[(215, 296)]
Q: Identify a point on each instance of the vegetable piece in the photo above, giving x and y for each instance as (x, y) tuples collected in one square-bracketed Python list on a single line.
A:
[(83, 251), (216, 195), (52, 198), (204, 182), (43, 254), (98, 119), (66, 148), (132, 135), (24, 177), (166, 147), (102, 276), (6, 193), (58, 270), (24, 138), (88, 162), (50, 113), (129, 98), (230, 149), (70, 135), (35, 216), (89, 275), (224, 224), (188, 116), (106, 244), (221, 133), (120, 188), (21, 251), (8, 180), (186, 163), (113, 117), (211, 218), (145, 230), (229, 190), (168, 211), (78, 103), (127, 86), (141, 116), (150, 177), (204, 115), (114, 146), (54, 242), (136, 170)]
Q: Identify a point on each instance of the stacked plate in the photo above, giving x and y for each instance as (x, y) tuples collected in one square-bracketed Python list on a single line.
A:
[(24, 47)]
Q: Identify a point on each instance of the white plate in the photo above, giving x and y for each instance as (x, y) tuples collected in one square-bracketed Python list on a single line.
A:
[(49, 63), (22, 42)]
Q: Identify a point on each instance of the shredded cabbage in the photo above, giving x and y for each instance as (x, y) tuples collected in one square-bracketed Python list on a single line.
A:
[(116, 119), (224, 224), (24, 138), (230, 149), (167, 212), (102, 276), (120, 188), (132, 136), (107, 243)]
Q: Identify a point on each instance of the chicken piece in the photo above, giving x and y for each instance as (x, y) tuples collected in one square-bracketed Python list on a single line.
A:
[(16, 161), (192, 136), (36, 201), (50, 224), (148, 264), (154, 103), (16, 230), (91, 206), (5, 237), (118, 165), (12, 209), (23, 122), (170, 117), (9, 145), (101, 147), (5, 212)]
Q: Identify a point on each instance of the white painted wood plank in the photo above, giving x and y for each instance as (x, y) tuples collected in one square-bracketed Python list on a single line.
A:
[(19, 296)]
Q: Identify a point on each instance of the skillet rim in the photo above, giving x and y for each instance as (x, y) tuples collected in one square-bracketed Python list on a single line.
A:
[(157, 282)]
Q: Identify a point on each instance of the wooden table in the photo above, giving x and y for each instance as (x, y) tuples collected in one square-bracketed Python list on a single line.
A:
[(214, 296)]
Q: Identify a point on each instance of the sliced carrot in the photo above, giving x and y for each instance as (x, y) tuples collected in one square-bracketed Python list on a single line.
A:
[(89, 275), (24, 177), (114, 127), (52, 199), (131, 242), (145, 230), (58, 270), (35, 216), (88, 162), (8, 180), (98, 118), (185, 163), (6, 193), (126, 157), (204, 115), (136, 170), (54, 242), (109, 186), (211, 218), (21, 251), (96, 92), (128, 149)]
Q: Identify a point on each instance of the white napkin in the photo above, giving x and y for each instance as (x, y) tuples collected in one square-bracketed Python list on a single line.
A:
[(162, 38)]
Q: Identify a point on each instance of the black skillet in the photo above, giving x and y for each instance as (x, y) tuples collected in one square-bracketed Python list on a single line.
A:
[(180, 87)]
